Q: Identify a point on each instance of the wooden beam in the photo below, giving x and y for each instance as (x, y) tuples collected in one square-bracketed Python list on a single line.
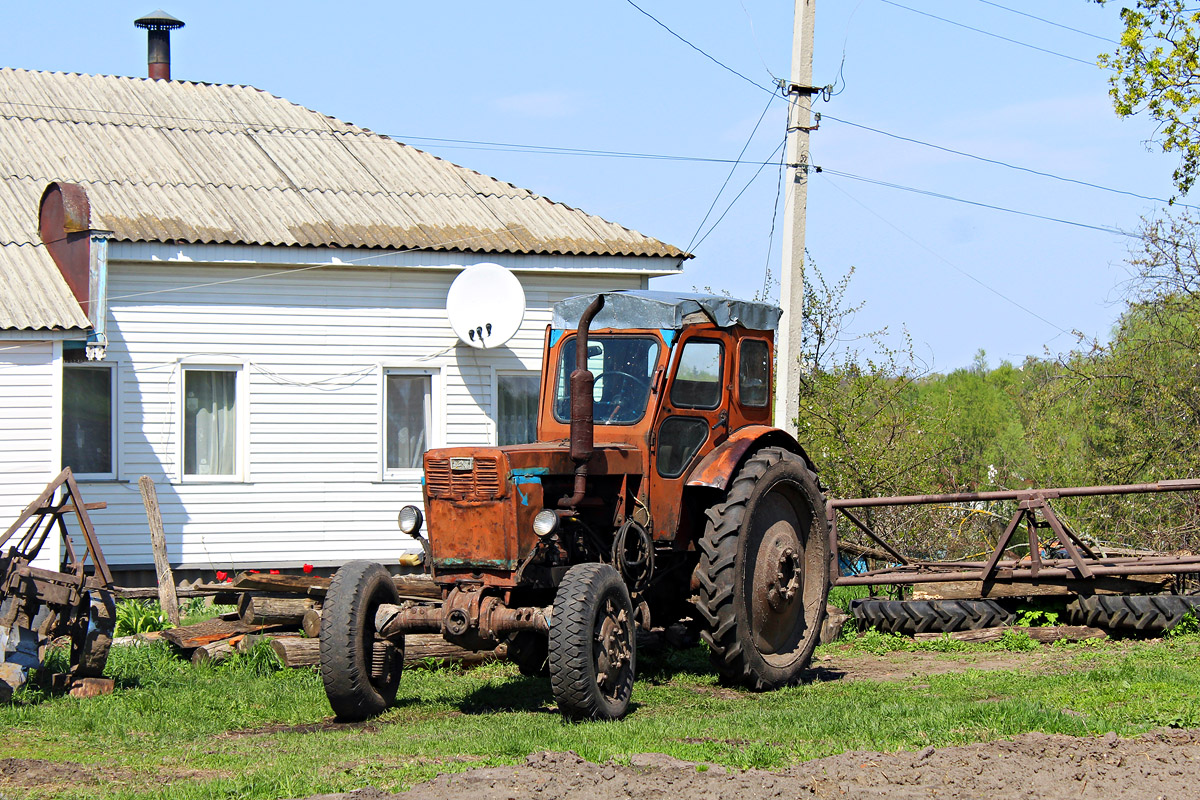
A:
[(1054, 633), (158, 540)]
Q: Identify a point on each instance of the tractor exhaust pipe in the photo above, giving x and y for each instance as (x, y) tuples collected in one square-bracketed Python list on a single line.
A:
[(582, 422)]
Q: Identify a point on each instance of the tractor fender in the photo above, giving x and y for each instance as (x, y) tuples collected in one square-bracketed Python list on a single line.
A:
[(716, 470)]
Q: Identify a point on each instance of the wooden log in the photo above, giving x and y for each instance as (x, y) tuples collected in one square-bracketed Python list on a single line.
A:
[(831, 628), (409, 586), (214, 651), (158, 541), (248, 641), (261, 609), (1105, 584), (295, 651), (1045, 635), (311, 624)]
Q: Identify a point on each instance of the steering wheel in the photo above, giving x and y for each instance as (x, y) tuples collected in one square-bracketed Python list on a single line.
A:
[(634, 379)]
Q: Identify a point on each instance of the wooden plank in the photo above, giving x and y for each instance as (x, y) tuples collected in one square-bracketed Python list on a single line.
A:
[(416, 586), (1053, 633), (962, 590), (214, 630), (158, 541)]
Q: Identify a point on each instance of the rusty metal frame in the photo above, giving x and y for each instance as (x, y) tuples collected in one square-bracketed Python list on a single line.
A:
[(1082, 563)]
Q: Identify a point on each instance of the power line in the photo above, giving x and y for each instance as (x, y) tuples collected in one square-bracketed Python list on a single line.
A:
[(978, 204), (1049, 22), (1000, 163), (711, 58), (942, 258), (753, 178), (989, 33), (728, 177)]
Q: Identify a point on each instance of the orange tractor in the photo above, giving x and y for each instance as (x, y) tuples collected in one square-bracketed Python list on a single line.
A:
[(657, 491)]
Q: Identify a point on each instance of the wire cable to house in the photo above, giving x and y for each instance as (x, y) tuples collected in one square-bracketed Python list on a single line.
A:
[(1000, 163), (976, 203), (938, 255), (766, 291), (990, 33), (1050, 22), (728, 177), (733, 202)]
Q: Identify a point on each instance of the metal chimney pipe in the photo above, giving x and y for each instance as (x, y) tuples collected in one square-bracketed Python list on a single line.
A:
[(158, 25)]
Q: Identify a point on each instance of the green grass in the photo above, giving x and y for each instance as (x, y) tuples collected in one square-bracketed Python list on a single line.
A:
[(250, 730)]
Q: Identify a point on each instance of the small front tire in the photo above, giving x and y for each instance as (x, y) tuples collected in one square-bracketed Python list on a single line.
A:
[(592, 644), (360, 670)]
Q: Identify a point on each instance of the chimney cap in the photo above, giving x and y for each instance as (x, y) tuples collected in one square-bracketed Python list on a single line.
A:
[(158, 21)]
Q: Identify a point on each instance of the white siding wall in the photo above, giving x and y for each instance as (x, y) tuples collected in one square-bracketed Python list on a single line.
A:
[(313, 346), (29, 449)]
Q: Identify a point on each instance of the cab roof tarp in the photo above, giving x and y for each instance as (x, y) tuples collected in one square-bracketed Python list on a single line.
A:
[(665, 310)]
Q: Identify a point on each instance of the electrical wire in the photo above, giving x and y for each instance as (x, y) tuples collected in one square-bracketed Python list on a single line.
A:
[(1000, 163), (1049, 22), (989, 33), (711, 58), (976, 203), (940, 257), (728, 177), (732, 202)]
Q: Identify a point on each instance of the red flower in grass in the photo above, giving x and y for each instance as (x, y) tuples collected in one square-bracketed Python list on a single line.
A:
[(252, 571), (222, 576), (307, 568), (273, 572)]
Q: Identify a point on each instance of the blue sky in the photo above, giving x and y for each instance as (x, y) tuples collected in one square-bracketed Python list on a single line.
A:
[(601, 75)]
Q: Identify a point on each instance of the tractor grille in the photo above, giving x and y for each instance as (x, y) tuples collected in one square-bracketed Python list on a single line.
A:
[(482, 482)]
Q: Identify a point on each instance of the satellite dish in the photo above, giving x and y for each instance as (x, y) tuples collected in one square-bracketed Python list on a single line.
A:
[(486, 305)]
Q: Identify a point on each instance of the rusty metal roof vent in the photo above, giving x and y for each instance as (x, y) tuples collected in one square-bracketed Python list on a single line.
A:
[(158, 25)]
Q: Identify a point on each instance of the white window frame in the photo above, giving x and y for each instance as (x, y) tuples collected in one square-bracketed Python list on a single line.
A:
[(114, 418), (497, 374), (241, 422), (436, 423)]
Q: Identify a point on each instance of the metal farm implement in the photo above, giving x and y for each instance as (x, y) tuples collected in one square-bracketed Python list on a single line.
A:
[(1102, 588), (40, 605)]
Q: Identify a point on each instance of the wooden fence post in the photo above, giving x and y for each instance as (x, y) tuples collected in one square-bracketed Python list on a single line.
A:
[(162, 566)]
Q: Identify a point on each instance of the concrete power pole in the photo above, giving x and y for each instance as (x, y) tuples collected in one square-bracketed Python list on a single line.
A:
[(798, 90)]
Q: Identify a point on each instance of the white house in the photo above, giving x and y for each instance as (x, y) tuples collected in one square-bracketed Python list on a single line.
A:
[(266, 286)]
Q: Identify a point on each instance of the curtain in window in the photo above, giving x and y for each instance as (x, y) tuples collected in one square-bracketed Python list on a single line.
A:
[(517, 423), (210, 422), (408, 414)]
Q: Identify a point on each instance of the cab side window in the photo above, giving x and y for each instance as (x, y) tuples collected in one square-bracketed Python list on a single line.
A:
[(698, 377)]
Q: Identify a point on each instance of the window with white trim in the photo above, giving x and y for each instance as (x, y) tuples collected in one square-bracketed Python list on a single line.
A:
[(89, 441), (407, 420), (211, 429), (516, 407)]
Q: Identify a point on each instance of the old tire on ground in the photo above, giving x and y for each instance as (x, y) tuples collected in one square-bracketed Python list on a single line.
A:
[(764, 572), (910, 617), (361, 672), (1149, 613), (592, 644)]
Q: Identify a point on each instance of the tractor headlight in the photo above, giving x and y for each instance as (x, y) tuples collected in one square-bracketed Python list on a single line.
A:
[(545, 523), (410, 520)]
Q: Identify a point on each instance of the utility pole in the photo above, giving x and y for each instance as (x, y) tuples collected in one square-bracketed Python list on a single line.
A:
[(799, 91)]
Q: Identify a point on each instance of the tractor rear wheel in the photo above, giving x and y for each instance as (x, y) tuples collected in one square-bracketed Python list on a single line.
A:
[(360, 670), (592, 644), (764, 572)]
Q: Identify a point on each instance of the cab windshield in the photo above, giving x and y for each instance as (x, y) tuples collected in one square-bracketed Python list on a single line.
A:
[(623, 367)]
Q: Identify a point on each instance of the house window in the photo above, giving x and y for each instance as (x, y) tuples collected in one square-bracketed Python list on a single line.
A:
[(408, 415), (516, 408), (88, 429), (210, 422)]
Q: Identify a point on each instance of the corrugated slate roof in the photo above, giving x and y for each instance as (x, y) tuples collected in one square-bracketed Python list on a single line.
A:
[(206, 163)]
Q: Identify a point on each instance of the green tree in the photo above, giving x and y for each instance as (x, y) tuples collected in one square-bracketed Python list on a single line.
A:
[(1156, 69)]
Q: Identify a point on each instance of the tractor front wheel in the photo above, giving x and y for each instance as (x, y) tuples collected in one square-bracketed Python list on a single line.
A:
[(764, 572), (592, 644), (360, 670)]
